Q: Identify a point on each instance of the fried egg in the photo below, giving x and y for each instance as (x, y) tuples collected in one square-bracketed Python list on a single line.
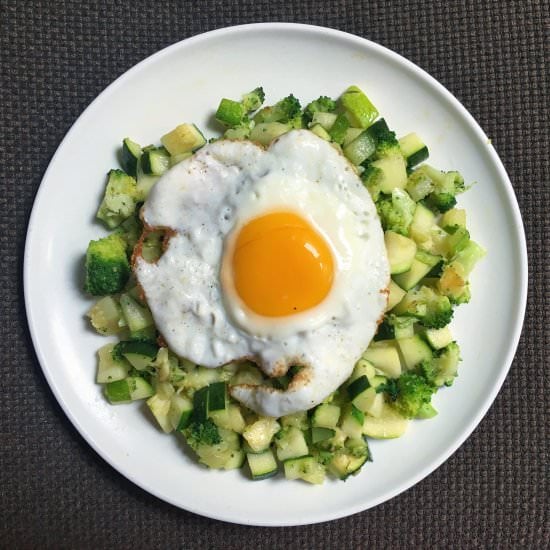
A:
[(275, 256)]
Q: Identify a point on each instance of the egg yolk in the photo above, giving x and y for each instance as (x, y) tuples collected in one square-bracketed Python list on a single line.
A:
[(281, 265)]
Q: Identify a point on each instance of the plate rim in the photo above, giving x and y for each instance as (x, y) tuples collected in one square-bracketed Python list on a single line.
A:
[(518, 230)]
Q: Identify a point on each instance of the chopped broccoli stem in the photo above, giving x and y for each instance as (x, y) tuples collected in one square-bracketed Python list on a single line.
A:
[(107, 267)]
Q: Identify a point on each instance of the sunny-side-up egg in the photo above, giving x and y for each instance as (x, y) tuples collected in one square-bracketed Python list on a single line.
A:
[(276, 256)]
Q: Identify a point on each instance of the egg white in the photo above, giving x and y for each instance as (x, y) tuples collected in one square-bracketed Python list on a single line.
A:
[(205, 200)]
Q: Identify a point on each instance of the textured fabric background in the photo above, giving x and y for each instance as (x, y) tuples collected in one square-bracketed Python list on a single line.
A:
[(56, 56)]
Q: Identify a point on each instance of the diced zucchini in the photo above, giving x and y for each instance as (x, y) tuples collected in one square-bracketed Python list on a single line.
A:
[(326, 120), (128, 389), (394, 173), (351, 134), (318, 434), (305, 468), (184, 138), (360, 149), (180, 411), (325, 415), (145, 183), (420, 267), (362, 368), (290, 443), (176, 159), (338, 129), (439, 338), (401, 251), (235, 461), (105, 316), (358, 386), (361, 112), (455, 216), (259, 434), (262, 465), (344, 464), (139, 354), (200, 405), (230, 418), (422, 223), (120, 199), (201, 376), (319, 131), (427, 410), (160, 407), (129, 156), (414, 350), (137, 316), (352, 421), (110, 369), (216, 396), (385, 357), (395, 296), (155, 161), (265, 132), (447, 365), (414, 149), (390, 424), (220, 455), (297, 419)]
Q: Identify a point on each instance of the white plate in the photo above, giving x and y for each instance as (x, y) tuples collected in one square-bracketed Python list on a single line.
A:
[(185, 83)]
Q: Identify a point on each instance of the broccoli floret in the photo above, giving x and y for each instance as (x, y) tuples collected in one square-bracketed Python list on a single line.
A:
[(322, 104), (396, 212), (432, 309), (205, 433), (385, 140), (438, 189), (408, 393), (283, 111), (253, 100), (120, 199), (107, 267), (441, 201), (372, 177)]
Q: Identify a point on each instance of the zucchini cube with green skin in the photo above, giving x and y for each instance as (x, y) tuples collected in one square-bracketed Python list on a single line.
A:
[(360, 110), (401, 251), (127, 390), (160, 407), (183, 139), (414, 149), (305, 468), (265, 132), (137, 317), (388, 425), (179, 413), (344, 464), (290, 443), (262, 465), (230, 418), (325, 415), (107, 266), (105, 316), (109, 368), (129, 156), (414, 350), (455, 216), (352, 421), (120, 199), (155, 161), (385, 357)]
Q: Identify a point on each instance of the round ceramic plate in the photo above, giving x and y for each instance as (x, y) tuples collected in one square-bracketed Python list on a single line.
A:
[(184, 83)]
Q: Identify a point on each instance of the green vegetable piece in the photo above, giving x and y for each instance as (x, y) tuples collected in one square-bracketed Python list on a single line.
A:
[(253, 100), (120, 199), (129, 156), (361, 111), (339, 128), (216, 396), (358, 386), (230, 113), (107, 267), (319, 433), (323, 104)]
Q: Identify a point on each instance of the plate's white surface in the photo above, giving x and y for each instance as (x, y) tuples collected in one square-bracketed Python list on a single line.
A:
[(185, 83)]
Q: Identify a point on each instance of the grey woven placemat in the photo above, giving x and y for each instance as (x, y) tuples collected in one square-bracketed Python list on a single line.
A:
[(55, 492)]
